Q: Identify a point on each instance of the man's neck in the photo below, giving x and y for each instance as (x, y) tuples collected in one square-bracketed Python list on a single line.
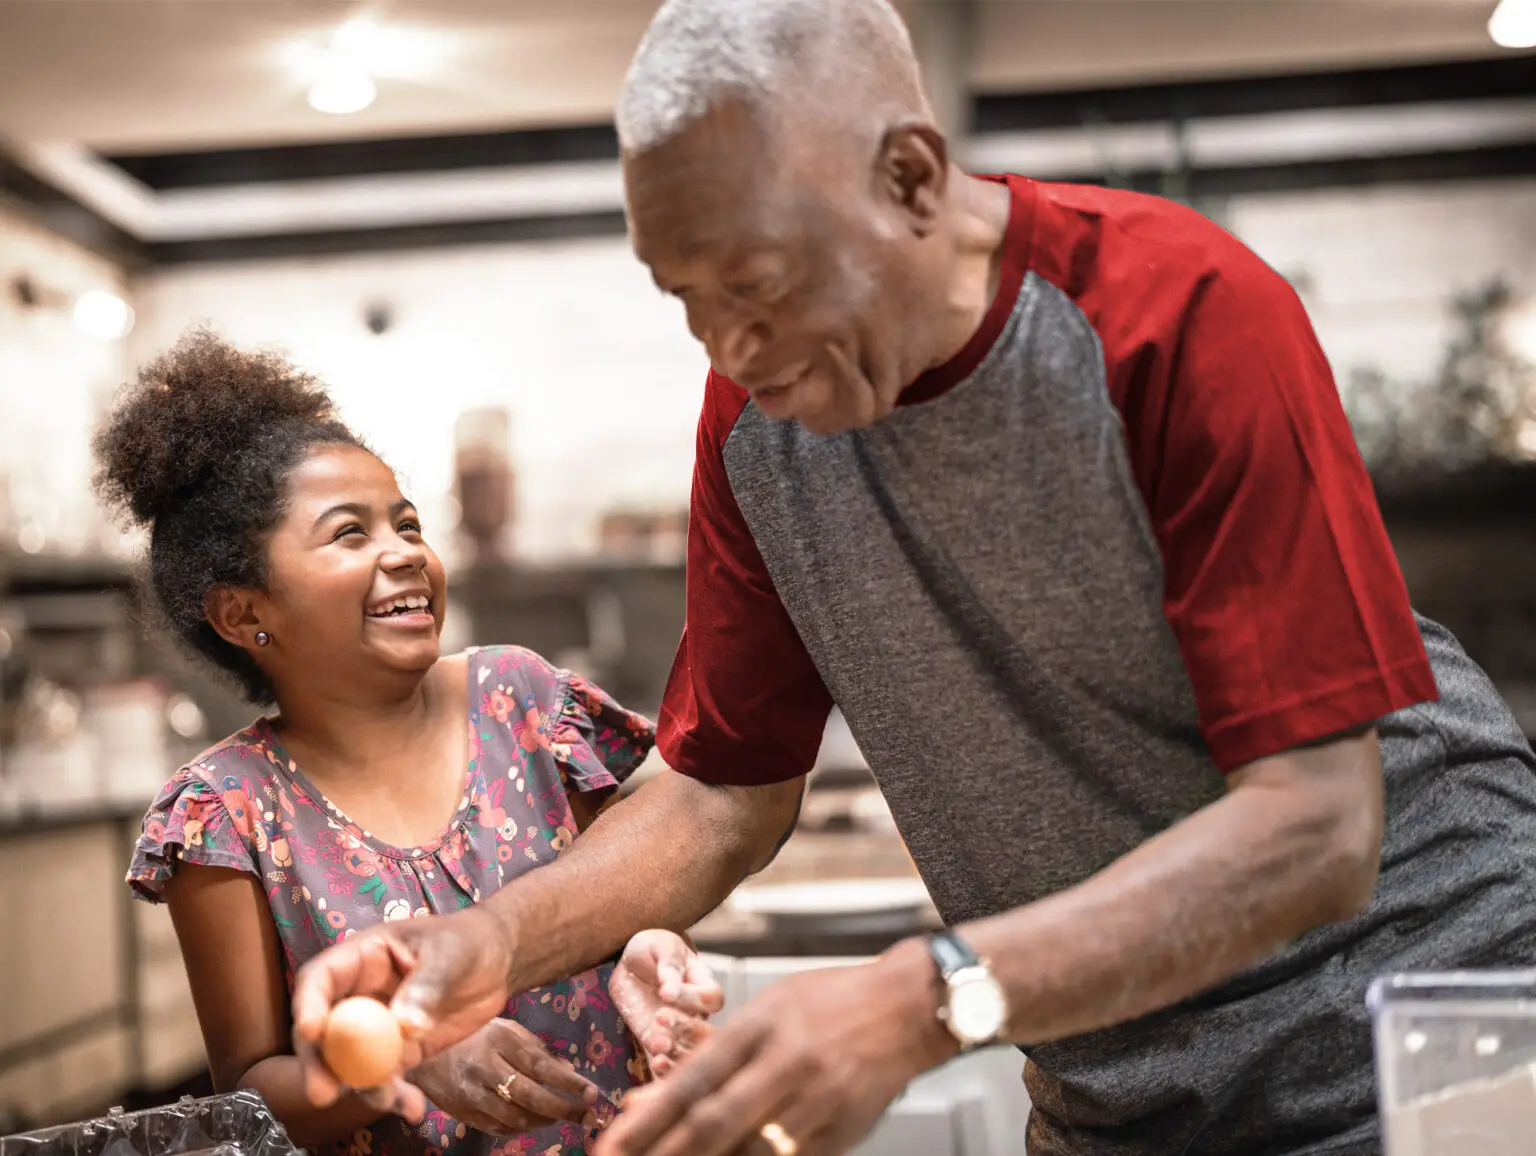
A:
[(978, 232)]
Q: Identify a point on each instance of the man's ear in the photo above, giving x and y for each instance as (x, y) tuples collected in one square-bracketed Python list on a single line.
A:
[(913, 171), (232, 612)]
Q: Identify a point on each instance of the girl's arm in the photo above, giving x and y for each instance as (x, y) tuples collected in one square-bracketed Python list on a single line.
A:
[(234, 963), (586, 806)]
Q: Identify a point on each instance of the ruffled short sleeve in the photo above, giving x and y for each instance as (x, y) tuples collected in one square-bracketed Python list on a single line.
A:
[(597, 742), (187, 823)]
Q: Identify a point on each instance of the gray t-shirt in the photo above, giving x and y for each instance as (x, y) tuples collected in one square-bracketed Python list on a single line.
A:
[(1122, 545)]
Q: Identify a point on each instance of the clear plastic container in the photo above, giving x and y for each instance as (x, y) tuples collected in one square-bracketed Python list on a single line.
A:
[(1456, 1063)]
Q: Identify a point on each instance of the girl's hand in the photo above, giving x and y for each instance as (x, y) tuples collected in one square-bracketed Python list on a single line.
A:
[(666, 994), (464, 1081)]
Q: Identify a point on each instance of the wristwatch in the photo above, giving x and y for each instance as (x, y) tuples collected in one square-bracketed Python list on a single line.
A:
[(975, 1010)]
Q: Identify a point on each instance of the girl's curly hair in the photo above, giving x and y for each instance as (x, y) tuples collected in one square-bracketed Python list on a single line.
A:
[(198, 449)]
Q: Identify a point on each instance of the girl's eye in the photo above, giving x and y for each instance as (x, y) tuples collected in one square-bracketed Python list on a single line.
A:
[(410, 526), (348, 531)]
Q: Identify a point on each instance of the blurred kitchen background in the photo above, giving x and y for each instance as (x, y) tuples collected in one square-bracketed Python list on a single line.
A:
[(421, 203)]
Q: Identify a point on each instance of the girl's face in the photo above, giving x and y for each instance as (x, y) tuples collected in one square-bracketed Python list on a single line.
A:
[(353, 588)]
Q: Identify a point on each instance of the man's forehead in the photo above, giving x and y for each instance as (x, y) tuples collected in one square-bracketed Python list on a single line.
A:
[(706, 221), (744, 230)]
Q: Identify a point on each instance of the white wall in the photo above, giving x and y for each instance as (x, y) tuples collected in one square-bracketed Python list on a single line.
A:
[(597, 367), (53, 382), (1381, 264), (604, 380)]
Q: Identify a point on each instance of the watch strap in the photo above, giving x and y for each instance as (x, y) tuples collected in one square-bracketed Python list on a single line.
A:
[(951, 954)]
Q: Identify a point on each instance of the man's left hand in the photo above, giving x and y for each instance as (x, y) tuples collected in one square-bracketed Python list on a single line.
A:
[(820, 1053)]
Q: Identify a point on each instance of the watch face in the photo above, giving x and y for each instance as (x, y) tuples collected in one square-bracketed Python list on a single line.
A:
[(976, 1009)]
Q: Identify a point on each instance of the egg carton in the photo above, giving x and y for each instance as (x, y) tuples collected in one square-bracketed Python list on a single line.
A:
[(237, 1124)]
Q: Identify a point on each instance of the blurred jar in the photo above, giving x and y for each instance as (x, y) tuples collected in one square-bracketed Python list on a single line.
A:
[(485, 480)]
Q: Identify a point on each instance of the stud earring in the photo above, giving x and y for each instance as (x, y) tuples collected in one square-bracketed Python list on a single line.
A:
[(263, 638)]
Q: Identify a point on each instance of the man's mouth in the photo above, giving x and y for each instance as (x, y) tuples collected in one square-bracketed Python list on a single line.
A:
[(769, 397)]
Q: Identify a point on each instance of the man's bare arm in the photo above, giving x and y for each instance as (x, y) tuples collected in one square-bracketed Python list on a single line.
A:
[(1295, 844), (664, 857)]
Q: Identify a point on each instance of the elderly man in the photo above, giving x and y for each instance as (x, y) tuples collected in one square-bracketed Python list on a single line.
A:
[(1049, 489)]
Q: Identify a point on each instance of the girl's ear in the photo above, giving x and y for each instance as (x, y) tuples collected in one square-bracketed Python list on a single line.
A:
[(233, 614)]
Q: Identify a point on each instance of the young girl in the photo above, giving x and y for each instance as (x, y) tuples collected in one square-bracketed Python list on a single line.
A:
[(391, 782)]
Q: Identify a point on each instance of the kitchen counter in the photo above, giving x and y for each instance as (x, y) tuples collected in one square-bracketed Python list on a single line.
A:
[(96, 998), (845, 833), (815, 854)]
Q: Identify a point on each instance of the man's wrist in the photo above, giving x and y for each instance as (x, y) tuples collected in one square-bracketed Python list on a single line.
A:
[(910, 976), (506, 914)]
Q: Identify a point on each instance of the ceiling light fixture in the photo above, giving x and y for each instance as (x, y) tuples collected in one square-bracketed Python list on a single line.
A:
[(98, 313), (343, 87), (1513, 24), (104, 316), (342, 83)]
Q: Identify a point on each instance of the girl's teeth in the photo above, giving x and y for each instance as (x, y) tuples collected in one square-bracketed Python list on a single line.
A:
[(415, 602)]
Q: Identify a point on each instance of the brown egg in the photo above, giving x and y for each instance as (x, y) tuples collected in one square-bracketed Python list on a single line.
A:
[(362, 1042)]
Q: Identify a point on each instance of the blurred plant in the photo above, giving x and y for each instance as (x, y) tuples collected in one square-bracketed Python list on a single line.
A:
[(1375, 405), (1480, 407)]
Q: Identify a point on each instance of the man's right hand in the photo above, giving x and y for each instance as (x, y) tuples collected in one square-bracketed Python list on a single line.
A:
[(444, 977)]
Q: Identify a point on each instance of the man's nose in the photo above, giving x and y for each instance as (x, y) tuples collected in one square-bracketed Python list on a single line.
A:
[(734, 345)]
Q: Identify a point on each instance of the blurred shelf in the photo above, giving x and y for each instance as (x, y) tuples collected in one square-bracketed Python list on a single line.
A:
[(63, 610), (23, 821), (42, 573), (616, 622), (1493, 494)]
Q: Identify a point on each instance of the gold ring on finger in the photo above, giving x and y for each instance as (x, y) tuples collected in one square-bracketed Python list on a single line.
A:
[(504, 1089), (782, 1143)]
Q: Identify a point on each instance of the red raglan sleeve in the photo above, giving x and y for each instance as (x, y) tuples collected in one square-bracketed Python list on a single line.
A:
[(1282, 587), (744, 704)]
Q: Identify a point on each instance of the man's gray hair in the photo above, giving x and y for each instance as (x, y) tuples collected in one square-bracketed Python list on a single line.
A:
[(699, 54)]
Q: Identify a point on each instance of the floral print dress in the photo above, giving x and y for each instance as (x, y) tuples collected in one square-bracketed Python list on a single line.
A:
[(536, 733)]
